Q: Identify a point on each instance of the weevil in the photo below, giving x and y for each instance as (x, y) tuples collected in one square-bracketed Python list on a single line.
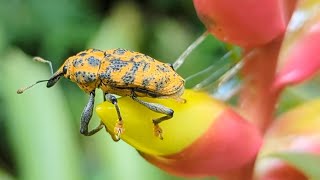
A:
[(119, 72)]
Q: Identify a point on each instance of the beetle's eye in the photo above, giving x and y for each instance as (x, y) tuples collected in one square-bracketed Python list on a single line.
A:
[(65, 68)]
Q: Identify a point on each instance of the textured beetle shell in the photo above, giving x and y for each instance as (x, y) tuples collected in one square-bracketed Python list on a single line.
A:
[(121, 72)]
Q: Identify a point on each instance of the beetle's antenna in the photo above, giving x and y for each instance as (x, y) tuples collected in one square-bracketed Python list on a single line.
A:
[(40, 59), (186, 53), (21, 90)]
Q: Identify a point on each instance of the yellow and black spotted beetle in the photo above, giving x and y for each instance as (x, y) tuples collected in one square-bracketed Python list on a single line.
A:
[(121, 72)]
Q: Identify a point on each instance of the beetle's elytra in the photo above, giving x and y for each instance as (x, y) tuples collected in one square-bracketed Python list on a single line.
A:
[(124, 73)]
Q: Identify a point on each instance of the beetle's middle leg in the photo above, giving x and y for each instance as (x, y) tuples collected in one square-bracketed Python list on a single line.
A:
[(86, 117), (157, 108), (118, 130)]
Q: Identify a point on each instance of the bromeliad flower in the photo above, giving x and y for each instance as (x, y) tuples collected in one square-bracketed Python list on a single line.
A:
[(208, 137), (201, 139)]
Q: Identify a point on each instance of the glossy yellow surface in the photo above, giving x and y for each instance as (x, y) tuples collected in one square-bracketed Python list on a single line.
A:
[(189, 122)]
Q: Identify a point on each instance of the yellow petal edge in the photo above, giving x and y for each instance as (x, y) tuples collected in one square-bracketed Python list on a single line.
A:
[(190, 121)]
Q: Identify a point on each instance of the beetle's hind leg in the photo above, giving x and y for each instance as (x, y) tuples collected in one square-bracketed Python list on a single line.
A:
[(160, 109), (118, 130), (86, 117)]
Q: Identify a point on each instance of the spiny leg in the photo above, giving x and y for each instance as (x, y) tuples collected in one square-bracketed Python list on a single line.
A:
[(157, 108), (86, 117), (118, 130)]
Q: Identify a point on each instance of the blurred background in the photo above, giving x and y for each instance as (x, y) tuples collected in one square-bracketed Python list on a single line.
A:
[(39, 129), (40, 136)]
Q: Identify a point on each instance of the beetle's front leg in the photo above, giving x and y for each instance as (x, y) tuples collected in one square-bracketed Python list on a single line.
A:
[(86, 117), (118, 130)]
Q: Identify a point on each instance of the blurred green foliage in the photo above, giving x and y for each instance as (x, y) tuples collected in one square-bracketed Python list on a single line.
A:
[(40, 136), (40, 129)]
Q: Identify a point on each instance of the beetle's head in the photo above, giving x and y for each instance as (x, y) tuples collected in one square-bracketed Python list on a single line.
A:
[(62, 71)]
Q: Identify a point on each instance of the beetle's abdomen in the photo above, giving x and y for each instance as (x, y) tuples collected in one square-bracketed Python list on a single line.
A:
[(127, 70)]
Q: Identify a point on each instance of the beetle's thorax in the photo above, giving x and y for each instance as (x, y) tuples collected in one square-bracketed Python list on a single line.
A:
[(83, 69)]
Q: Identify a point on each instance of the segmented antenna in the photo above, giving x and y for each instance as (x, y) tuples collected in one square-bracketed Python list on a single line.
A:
[(39, 59), (21, 90)]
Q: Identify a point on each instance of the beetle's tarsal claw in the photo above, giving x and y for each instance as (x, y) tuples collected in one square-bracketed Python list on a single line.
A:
[(113, 136), (118, 129), (158, 131)]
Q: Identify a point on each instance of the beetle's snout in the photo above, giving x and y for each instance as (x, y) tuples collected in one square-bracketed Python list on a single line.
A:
[(52, 81)]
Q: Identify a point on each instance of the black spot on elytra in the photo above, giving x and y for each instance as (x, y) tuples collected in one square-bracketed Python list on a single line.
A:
[(162, 68), (145, 82), (106, 75), (149, 58), (119, 51), (93, 61), (83, 54), (96, 50), (128, 78), (146, 67), (135, 67), (160, 85), (117, 64)]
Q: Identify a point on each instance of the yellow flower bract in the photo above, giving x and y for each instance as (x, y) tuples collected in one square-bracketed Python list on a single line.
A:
[(190, 121)]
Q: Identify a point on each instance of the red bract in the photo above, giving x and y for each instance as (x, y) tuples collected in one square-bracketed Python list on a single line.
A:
[(298, 130), (212, 153), (259, 72), (299, 58), (245, 23)]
